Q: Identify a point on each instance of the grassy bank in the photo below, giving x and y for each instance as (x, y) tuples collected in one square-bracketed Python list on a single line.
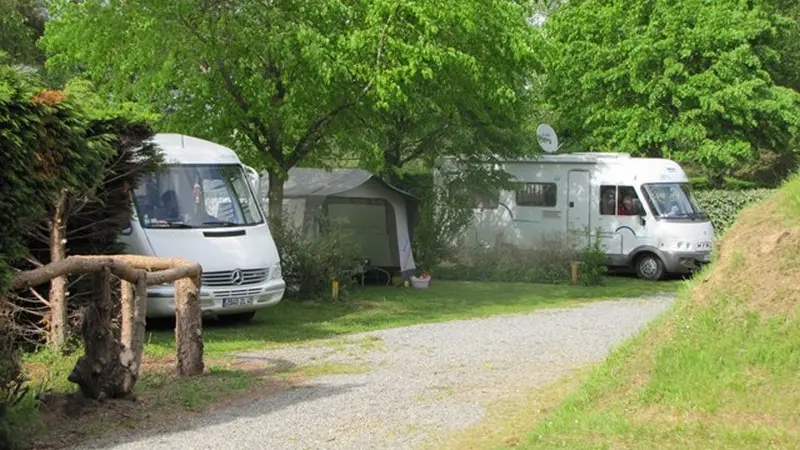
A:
[(721, 370)]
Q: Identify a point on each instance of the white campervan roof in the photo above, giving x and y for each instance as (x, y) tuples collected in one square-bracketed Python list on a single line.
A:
[(613, 166), (178, 148)]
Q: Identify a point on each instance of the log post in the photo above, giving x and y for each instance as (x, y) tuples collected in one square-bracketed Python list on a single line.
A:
[(134, 348), (575, 272), (188, 327)]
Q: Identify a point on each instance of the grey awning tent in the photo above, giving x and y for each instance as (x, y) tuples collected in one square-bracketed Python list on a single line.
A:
[(376, 212)]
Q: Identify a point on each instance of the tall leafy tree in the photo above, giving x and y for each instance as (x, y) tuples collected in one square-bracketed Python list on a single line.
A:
[(786, 69), (271, 78), (687, 80), (476, 105), (21, 25)]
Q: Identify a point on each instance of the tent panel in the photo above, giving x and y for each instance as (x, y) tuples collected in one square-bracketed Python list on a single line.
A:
[(402, 237), (367, 220)]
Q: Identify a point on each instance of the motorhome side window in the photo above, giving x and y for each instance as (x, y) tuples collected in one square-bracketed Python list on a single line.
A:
[(536, 194), (196, 196), (619, 201)]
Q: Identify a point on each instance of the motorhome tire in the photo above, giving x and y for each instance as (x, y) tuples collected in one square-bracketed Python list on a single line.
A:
[(238, 317), (649, 267)]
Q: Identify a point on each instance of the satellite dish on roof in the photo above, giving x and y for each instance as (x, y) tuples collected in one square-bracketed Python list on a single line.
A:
[(547, 137)]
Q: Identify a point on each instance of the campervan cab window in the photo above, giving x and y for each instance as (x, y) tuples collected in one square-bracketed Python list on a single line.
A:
[(196, 196), (619, 201), (672, 201), (536, 194)]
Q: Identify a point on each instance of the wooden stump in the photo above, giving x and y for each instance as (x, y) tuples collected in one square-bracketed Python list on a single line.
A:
[(99, 373)]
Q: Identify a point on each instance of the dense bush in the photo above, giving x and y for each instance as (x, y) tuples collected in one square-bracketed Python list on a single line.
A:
[(593, 263), (549, 263), (723, 206), (12, 382), (35, 129), (310, 262)]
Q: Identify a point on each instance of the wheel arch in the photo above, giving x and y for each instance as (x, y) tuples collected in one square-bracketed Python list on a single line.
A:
[(639, 251)]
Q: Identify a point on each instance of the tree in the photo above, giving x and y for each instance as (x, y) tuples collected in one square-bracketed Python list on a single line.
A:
[(786, 69), (89, 220), (687, 80), (46, 151), (271, 79), (21, 25), (476, 105)]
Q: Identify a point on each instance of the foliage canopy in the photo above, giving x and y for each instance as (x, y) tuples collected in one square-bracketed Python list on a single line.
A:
[(687, 80)]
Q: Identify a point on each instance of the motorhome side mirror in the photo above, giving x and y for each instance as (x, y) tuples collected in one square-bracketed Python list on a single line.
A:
[(642, 219)]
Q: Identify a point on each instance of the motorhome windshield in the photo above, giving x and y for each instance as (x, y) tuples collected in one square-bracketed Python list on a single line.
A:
[(197, 196), (672, 201)]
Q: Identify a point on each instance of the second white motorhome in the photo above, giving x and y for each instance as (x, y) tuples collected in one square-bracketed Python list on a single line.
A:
[(644, 209), (202, 207)]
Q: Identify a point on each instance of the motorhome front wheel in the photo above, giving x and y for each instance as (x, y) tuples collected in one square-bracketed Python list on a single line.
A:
[(650, 267)]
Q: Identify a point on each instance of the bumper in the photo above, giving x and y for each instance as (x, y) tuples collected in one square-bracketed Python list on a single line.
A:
[(218, 301), (685, 262)]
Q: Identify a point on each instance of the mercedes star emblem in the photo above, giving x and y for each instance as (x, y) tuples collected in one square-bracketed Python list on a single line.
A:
[(237, 277)]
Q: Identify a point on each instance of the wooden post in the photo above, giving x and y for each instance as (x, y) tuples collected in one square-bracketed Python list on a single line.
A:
[(188, 327), (574, 266), (133, 348), (335, 289)]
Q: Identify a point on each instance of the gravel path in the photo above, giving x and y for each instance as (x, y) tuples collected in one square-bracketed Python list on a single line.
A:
[(419, 383)]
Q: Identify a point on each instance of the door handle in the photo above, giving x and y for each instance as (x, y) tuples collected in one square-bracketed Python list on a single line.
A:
[(571, 204)]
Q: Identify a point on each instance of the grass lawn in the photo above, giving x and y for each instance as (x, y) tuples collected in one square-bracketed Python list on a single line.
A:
[(373, 308)]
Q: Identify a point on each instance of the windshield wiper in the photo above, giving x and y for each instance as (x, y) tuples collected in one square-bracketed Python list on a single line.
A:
[(178, 224), (222, 223), (168, 224)]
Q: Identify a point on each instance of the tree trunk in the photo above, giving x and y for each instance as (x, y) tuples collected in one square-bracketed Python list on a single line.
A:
[(188, 327), (99, 373), (392, 161), (275, 196), (57, 332)]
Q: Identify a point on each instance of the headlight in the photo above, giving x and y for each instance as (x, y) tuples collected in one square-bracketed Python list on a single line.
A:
[(275, 273)]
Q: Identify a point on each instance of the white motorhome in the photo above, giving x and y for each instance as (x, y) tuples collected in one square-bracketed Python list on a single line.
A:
[(643, 208), (202, 207)]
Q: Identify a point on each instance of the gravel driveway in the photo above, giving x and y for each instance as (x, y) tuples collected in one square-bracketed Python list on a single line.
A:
[(418, 383)]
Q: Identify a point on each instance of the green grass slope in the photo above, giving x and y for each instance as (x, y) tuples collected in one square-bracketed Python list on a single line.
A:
[(721, 370)]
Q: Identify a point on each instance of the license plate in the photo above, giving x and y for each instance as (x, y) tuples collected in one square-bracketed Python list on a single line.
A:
[(237, 301), (707, 257)]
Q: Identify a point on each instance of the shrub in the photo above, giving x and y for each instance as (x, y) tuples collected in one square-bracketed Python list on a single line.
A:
[(593, 263), (550, 262), (309, 263), (12, 383), (722, 206)]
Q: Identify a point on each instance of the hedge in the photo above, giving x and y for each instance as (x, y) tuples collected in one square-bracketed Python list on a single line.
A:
[(723, 206)]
